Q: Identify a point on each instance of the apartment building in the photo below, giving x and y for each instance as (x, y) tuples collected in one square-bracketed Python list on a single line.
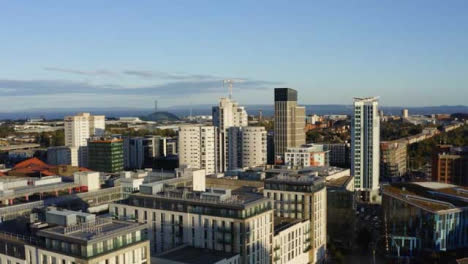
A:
[(291, 243), (78, 129), (197, 147), (227, 114), (365, 148), (247, 147), (302, 197), (72, 237), (393, 159), (216, 219), (450, 165)]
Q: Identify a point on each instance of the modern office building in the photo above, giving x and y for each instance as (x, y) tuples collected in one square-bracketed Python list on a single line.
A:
[(197, 147), (68, 237), (78, 129), (339, 154), (341, 210), (393, 159), (59, 155), (105, 154), (450, 165), (227, 114), (289, 122), (142, 152), (247, 147), (216, 219), (423, 218), (365, 148), (270, 148), (306, 156), (302, 197), (134, 152)]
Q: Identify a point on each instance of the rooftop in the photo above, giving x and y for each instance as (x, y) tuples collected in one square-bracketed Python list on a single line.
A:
[(101, 228), (430, 196), (238, 199), (281, 223), (296, 179), (339, 182), (191, 255)]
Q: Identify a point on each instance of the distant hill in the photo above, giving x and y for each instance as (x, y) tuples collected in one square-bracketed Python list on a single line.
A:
[(160, 116), (185, 110)]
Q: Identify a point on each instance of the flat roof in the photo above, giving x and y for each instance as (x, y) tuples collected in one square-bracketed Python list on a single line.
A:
[(102, 228), (281, 223), (339, 182), (431, 196), (191, 255)]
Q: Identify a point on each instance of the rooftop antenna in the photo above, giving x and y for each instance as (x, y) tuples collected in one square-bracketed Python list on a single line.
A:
[(230, 82)]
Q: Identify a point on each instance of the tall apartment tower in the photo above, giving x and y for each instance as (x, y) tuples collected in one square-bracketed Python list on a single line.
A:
[(247, 147), (227, 114), (289, 122), (78, 129), (365, 142), (197, 147)]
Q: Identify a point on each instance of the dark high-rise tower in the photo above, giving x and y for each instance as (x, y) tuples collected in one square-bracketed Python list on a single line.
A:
[(289, 122)]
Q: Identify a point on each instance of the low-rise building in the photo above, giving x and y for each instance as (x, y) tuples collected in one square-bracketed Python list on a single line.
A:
[(425, 218), (307, 155), (69, 237), (450, 165)]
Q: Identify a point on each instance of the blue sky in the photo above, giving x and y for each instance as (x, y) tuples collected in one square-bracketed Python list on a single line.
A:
[(128, 53)]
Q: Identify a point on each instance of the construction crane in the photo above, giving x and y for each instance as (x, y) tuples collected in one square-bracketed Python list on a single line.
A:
[(230, 82)]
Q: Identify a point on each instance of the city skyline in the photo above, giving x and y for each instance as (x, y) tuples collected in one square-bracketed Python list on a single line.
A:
[(75, 53)]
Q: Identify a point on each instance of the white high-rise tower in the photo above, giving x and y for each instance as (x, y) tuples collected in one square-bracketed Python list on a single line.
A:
[(78, 129), (365, 143), (227, 114)]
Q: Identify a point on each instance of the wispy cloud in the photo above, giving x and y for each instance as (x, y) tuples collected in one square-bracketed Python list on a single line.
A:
[(136, 73), (176, 88), (169, 76), (81, 72)]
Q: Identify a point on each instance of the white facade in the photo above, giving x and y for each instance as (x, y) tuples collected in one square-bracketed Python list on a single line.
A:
[(197, 147), (78, 129), (227, 114), (305, 156), (168, 229), (404, 113), (89, 179), (247, 147), (365, 144), (312, 119), (291, 245), (311, 205)]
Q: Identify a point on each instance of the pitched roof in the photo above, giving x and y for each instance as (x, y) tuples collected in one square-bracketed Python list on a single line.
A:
[(32, 162), (32, 167)]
